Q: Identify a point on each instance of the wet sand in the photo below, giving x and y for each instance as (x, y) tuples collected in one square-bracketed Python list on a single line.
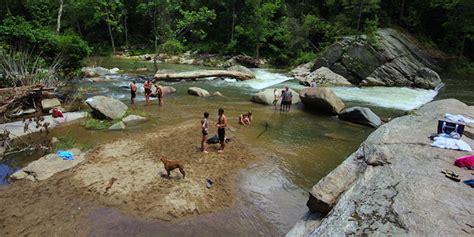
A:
[(127, 175)]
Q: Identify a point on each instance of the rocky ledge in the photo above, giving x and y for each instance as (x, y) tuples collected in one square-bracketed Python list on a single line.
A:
[(396, 59), (393, 185)]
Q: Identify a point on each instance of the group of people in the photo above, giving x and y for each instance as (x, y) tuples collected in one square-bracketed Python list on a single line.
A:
[(148, 92), (286, 97)]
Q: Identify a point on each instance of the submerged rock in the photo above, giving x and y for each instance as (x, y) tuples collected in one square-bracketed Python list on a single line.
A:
[(393, 185), (132, 120), (325, 77), (267, 96), (106, 107), (361, 115), (321, 99), (217, 93), (117, 126), (198, 92)]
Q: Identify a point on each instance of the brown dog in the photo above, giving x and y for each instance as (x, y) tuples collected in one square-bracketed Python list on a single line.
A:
[(173, 164)]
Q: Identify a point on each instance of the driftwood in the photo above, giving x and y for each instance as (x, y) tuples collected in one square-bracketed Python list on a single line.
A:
[(13, 99), (202, 74)]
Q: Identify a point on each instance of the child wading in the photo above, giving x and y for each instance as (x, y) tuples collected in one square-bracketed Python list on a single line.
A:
[(204, 131)]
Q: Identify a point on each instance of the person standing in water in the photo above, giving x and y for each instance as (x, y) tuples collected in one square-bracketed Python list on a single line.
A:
[(288, 99), (205, 132), (159, 94), (283, 100), (133, 91), (275, 97), (221, 125), (147, 87)]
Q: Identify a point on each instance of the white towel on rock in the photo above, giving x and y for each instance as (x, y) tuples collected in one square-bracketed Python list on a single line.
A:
[(458, 118), (451, 143)]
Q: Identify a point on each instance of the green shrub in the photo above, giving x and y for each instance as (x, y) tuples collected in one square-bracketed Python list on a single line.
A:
[(304, 57), (172, 46), (96, 124)]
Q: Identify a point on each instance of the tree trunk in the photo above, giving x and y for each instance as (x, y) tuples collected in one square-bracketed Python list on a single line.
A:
[(257, 50), (110, 33), (155, 33), (461, 54), (126, 30), (402, 9), (60, 13), (360, 15), (78, 28), (233, 23)]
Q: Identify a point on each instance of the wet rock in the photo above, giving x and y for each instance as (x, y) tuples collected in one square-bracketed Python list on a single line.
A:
[(47, 166), (361, 115), (132, 120), (321, 99), (106, 107), (382, 189), (217, 93), (242, 69), (325, 77), (301, 71), (117, 126), (427, 78), (266, 97), (198, 92), (98, 71), (48, 104)]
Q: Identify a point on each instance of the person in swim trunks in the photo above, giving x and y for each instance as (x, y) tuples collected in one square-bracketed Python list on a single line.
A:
[(147, 86), (221, 125), (133, 90), (204, 131), (276, 96)]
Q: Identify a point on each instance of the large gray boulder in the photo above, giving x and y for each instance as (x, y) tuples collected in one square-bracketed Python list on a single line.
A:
[(321, 99), (361, 115), (396, 60), (106, 107), (301, 71), (242, 69), (323, 76), (48, 104), (98, 71), (393, 185), (198, 92), (266, 97), (47, 166)]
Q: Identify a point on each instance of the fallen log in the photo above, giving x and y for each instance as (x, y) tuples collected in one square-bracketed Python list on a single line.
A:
[(202, 74)]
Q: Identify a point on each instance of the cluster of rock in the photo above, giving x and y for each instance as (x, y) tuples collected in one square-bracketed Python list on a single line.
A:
[(98, 71), (393, 185), (112, 109), (396, 60)]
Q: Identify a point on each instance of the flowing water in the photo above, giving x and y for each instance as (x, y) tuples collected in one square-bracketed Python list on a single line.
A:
[(299, 147)]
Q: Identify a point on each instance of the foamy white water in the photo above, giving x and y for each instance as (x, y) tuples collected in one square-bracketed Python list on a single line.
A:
[(401, 98), (264, 79)]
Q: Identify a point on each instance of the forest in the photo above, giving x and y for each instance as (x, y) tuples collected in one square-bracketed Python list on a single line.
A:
[(285, 32)]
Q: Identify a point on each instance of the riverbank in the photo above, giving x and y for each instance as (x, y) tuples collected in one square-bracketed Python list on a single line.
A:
[(126, 174), (393, 183)]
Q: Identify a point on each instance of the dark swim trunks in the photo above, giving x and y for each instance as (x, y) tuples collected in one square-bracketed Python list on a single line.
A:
[(205, 133), (147, 91), (134, 94), (221, 134)]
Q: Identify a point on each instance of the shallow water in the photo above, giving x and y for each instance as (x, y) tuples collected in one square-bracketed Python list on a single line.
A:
[(299, 147)]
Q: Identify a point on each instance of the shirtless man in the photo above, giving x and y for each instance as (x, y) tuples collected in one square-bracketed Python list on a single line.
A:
[(147, 87), (133, 91), (245, 118), (221, 125), (276, 96), (159, 94)]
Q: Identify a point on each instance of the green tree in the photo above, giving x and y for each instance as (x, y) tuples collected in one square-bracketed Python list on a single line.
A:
[(110, 11)]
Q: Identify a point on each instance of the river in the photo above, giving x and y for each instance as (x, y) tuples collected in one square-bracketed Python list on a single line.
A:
[(299, 147)]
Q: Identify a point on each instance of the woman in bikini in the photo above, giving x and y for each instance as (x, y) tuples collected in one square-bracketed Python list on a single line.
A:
[(204, 131)]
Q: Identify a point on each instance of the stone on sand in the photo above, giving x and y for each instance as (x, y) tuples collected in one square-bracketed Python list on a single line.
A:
[(132, 120)]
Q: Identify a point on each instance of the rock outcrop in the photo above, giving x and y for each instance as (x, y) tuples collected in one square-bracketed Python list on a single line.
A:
[(198, 92), (393, 185), (361, 115), (301, 71), (323, 76), (267, 96), (321, 99), (106, 107), (47, 166), (242, 69), (396, 60)]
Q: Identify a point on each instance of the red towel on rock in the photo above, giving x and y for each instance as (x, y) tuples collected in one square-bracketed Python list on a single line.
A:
[(465, 161)]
